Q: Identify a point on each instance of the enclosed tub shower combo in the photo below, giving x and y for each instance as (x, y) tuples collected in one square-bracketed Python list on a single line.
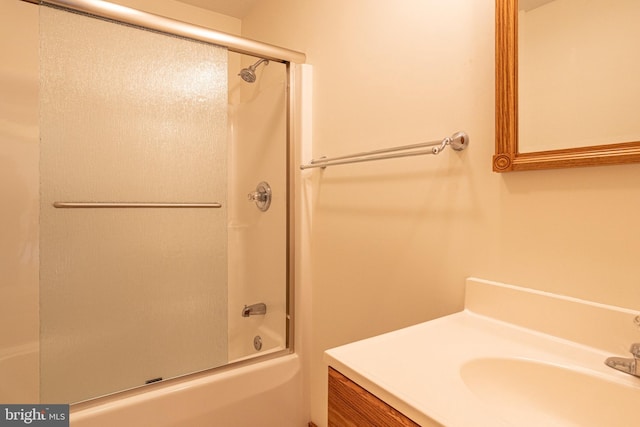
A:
[(166, 222)]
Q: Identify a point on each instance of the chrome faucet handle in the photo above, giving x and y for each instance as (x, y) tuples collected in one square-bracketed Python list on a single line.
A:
[(635, 350), (257, 196), (262, 196)]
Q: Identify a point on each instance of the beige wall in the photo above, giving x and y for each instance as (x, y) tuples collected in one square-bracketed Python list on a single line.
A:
[(186, 13), (393, 241)]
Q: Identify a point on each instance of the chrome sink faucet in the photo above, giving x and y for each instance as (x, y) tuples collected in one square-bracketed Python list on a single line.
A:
[(629, 366)]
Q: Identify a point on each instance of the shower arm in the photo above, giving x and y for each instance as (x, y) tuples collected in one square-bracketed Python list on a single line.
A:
[(255, 66)]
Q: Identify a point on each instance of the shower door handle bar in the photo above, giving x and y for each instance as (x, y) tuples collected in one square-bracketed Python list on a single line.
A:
[(458, 141), (89, 205)]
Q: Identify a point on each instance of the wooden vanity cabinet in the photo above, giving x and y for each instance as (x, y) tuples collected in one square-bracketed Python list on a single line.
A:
[(352, 406)]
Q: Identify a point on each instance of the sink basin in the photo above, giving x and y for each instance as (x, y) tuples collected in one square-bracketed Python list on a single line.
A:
[(525, 391), (514, 357)]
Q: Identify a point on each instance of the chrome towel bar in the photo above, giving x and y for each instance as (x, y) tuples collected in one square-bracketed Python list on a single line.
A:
[(72, 205), (458, 141)]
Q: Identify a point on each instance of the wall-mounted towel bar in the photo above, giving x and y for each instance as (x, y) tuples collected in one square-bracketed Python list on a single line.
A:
[(458, 141), (73, 205)]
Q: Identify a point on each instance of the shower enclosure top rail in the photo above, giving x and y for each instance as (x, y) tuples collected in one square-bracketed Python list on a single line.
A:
[(458, 141), (114, 12)]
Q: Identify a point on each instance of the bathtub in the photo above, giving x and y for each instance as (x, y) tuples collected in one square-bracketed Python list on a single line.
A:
[(266, 394), (19, 380)]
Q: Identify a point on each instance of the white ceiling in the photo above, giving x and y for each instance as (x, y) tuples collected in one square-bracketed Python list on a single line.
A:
[(240, 8), (527, 5), (236, 8)]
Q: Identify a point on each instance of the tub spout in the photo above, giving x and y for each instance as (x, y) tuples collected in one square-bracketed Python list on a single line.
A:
[(628, 366), (254, 309)]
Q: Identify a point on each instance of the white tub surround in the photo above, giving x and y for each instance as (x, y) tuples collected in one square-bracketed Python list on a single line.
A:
[(19, 374), (513, 357)]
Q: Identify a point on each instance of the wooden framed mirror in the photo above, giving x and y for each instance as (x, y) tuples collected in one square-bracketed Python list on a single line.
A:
[(510, 154)]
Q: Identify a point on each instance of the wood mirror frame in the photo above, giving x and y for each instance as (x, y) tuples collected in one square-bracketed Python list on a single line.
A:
[(507, 158)]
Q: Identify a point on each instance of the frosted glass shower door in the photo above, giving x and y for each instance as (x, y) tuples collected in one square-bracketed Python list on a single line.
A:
[(129, 295)]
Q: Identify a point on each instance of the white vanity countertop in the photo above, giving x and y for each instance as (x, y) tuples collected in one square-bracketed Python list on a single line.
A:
[(419, 370)]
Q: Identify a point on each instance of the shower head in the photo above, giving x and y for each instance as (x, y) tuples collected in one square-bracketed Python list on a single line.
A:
[(249, 74)]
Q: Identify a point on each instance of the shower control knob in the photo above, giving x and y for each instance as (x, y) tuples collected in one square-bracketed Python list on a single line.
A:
[(262, 196), (257, 197)]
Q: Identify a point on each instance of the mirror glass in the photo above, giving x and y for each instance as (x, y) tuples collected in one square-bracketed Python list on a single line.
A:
[(578, 65)]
